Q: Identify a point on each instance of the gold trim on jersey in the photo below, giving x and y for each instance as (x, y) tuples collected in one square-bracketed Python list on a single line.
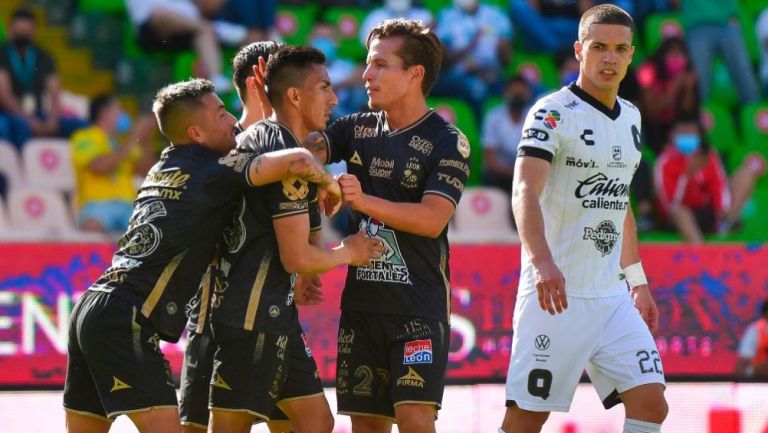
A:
[(391, 133), (205, 290), (161, 284), (258, 285), (446, 281)]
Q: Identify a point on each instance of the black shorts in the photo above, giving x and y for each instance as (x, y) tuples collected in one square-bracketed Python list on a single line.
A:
[(255, 371), (114, 363), (384, 360), (196, 379)]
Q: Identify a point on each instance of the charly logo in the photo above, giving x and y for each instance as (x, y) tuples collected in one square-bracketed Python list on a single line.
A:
[(604, 236), (600, 192), (542, 342), (391, 266), (234, 234)]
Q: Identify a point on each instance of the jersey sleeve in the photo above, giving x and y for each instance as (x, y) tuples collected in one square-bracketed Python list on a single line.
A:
[(338, 136), (315, 222), (286, 198), (450, 168), (231, 172), (541, 130)]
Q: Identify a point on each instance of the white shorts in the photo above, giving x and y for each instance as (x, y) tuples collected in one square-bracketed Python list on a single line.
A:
[(606, 336)]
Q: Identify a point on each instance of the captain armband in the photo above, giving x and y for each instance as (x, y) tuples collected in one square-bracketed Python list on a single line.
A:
[(635, 275)]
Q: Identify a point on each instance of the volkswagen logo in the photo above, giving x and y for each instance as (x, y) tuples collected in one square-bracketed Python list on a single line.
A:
[(542, 342)]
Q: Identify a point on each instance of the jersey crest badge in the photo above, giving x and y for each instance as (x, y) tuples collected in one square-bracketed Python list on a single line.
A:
[(462, 144), (552, 119)]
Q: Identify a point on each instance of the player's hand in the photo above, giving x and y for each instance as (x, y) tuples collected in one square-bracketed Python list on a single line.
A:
[(641, 295), (329, 198), (550, 286), (363, 249), (308, 290), (259, 74), (352, 191)]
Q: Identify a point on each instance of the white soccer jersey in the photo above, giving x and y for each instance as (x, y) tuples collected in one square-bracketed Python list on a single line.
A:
[(594, 152)]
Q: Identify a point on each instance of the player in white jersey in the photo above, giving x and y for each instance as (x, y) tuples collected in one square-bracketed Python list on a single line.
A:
[(579, 150)]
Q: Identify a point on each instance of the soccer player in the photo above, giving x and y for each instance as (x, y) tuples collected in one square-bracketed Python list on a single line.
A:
[(407, 169), (198, 355), (263, 359), (580, 147), (115, 365)]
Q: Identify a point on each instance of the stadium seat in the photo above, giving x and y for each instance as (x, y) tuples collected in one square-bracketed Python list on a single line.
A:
[(722, 88), (754, 126), (48, 164), (10, 165), (719, 127), (294, 22), (659, 27), (457, 112), (483, 216), (348, 20), (108, 6), (538, 69)]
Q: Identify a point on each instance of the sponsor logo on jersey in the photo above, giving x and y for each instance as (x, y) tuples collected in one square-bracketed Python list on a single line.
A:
[(274, 311), (542, 342), (600, 192), (274, 391), (237, 161), (118, 385), (356, 159), (293, 206), (417, 352), (234, 233), (364, 131), (143, 237), (451, 180), (585, 137), (604, 235), (411, 379), (346, 340), (536, 134), (412, 173), (616, 154), (391, 266), (171, 308), (166, 184), (551, 119), (281, 344), (422, 145), (295, 188), (307, 349), (571, 105), (461, 165), (462, 144), (571, 161), (381, 167), (342, 384)]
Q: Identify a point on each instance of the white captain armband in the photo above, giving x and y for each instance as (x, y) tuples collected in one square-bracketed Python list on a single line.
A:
[(635, 275)]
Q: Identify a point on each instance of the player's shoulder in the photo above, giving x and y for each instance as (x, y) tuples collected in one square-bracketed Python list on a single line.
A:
[(629, 109), (258, 137), (365, 118), (445, 133)]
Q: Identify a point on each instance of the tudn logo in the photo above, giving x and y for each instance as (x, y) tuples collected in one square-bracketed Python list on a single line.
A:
[(542, 342)]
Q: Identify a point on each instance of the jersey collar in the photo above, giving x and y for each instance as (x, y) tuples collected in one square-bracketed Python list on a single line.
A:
[(599, 106), (411, 126)]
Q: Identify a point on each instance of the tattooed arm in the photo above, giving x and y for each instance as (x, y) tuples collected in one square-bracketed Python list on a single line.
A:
[(316, 143), (284, 164)]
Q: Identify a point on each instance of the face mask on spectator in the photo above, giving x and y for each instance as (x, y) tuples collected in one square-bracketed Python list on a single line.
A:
[(675, 64), (22, 41), (467, 5), (326, 45), (397, 6), (687, 143), (516, 103), (124, 123)]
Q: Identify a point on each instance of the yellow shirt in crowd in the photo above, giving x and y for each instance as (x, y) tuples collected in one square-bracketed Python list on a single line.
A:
[(89, 143)]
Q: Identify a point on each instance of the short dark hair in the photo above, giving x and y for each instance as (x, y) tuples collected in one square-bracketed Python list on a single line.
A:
[(98, 104), (246, 58), (604, 14), (288, 67), (174, 103), (23, 13), (421, 46)]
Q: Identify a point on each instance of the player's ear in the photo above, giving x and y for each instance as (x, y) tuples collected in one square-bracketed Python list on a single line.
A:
[(577, 47), (417, 72), (196, 134), (293, 96)]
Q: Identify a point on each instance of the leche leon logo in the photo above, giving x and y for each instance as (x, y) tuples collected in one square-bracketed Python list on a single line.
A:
[(604, 235)]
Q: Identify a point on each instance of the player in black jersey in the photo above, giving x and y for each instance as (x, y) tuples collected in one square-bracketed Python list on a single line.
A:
[(198, 355), (115, 365), (407, 169), (263, 359)]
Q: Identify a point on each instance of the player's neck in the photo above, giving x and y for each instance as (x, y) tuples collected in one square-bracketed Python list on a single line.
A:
[(406, 113), (250, 116), (605, 97), (293, 122)]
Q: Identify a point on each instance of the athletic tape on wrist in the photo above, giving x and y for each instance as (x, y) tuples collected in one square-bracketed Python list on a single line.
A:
[(635, 275)]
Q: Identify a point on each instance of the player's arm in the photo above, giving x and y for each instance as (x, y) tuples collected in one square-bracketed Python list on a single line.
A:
[(318, 145), (284, 164), (298, 255), (531, 174), (633, 271)]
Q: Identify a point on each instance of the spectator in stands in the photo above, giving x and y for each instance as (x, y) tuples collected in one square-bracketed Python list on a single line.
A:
[(761, 27), (669, 91), (753, 348), (238, 22), (694, 194), (105, 168), (477, 41), (548, 26), (346, 75), (712, 28), (30, 88), (178, 25), (394, 9), (502, 129)]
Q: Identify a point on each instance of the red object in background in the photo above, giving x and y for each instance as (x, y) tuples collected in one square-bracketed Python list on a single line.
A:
[(724, 420), (706, 296)]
